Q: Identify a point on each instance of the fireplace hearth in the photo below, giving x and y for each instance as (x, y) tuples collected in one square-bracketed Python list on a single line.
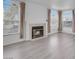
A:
[(37, 31)]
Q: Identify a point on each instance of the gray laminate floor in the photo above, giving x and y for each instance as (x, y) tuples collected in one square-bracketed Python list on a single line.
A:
[(57, 46)]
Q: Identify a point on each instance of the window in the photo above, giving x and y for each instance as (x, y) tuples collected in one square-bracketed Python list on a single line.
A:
[(11, 17), (54, 21)]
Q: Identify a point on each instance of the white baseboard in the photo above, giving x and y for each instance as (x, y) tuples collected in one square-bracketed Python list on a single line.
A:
[(51, 33), (14, 42), (69, 33), (39, 38)]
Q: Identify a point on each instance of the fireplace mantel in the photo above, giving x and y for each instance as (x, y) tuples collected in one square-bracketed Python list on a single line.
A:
[(35, 25)]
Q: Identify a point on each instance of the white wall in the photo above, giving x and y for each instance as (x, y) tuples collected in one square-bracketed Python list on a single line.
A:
[(35, 14)]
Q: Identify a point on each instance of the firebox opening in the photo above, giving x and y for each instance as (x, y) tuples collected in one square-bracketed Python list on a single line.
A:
[(37, 31)]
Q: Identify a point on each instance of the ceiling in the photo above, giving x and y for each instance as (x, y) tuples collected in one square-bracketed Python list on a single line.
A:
[(57, 4), (63, 4)]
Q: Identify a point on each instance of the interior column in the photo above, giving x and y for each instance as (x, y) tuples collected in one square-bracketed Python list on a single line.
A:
[(73, 22), (60, 21), (22, 17)]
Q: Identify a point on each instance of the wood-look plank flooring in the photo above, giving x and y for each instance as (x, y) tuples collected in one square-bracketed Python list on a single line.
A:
[(56, 46)]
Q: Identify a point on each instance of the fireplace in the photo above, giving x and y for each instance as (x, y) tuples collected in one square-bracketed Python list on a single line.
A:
[(37, 31)]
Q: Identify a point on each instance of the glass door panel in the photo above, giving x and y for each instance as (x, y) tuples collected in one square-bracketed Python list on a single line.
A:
[(67, 21)]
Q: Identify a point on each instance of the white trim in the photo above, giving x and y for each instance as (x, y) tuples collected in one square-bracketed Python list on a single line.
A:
[(69, 33), (13, 42), (52, 33), (40, 24), (39, 38)]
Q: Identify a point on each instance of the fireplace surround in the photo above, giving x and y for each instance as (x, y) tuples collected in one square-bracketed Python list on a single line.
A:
[(37, 30)]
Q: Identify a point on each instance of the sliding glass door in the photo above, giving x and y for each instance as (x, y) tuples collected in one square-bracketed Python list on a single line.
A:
[(67, 19)]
